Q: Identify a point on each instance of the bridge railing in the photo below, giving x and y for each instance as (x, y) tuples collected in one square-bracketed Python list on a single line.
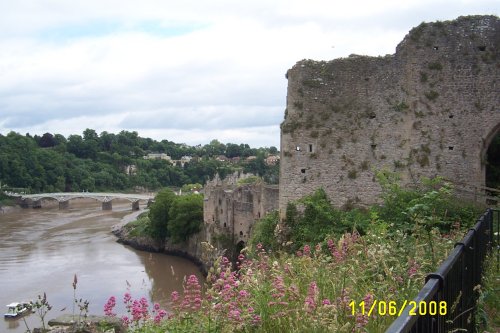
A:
[(452, 285)]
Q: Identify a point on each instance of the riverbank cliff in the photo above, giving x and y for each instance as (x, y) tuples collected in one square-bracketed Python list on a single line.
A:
[(191, 249)]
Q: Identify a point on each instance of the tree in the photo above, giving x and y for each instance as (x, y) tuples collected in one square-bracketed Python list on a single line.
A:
[(273, 150), (256, 166), (159, 213), (186, 217), (233, 150), (47, 140)]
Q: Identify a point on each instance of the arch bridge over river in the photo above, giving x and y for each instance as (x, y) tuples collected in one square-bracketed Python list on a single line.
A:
[(35, 200)]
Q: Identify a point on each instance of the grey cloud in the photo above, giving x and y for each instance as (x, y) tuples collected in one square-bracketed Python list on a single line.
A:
[(205, 118)]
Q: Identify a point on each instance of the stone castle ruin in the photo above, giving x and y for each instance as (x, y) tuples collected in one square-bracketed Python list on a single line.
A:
[(430, 109), (230, 210)]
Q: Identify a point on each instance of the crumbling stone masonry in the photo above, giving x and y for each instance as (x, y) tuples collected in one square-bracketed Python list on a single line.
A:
[(230, 211), (430, 109)]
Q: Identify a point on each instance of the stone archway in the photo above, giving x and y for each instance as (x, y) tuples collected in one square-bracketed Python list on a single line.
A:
[(491, 162), (239, 246)]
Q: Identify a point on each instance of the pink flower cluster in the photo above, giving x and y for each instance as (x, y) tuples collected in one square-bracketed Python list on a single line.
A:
[(192, 294), (362, 319), (138, 311), (413, 268), (345, 244), (109, 306), (312, 297), (230, 302), (159, 313)]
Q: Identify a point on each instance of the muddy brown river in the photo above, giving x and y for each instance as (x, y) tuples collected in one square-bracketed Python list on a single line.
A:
[(42, 249)]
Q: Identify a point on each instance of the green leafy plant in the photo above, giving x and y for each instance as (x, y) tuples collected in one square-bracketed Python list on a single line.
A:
[(41, 307), (83, 307)]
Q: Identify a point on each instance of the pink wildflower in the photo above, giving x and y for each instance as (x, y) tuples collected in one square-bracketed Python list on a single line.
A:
[(126, 321), (174, 296), (126, 298), (279, 287), (307, 250), (344, 299), (159, 316), (318, 248), (361, 320), (109, 306), (192, 294), (244, 293), (235, 315), (413, 269), (330, 244), (368, 299), (312, 295)]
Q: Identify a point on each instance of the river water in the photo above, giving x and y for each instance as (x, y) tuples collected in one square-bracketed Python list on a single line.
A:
[(42, 249)]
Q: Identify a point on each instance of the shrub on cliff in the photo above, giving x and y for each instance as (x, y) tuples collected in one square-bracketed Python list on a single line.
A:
[(313, 218), (186, 216), (263, 232), (432, 203), (159, 213), (175, 217)]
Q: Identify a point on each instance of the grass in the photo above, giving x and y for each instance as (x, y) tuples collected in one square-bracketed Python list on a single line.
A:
[(488, 314)]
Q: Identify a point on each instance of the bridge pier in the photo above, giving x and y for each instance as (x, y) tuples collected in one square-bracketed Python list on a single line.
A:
[(135, 205), (63, 204), (24, 203), (37, 204), (107, 205)]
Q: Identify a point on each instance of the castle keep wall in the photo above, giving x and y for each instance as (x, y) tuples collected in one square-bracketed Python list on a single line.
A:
[(430, 109)]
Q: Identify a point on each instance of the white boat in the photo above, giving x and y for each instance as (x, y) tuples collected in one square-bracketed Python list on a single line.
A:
[(17, 309)]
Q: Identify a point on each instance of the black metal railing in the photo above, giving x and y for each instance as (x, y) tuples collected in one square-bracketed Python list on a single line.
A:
[(447, 301)]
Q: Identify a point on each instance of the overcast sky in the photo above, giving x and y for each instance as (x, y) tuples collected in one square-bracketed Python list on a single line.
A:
[(188, 71)]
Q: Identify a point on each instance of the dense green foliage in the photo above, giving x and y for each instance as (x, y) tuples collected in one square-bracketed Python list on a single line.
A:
[(159, 213), (313, 218), (173, 217), (115, 162), (186, 217), (263, 231), (432, 203), (488, 310), (140, 227)]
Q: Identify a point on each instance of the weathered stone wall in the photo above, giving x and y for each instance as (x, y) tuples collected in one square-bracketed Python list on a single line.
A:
[(430, 109), (232, 210)]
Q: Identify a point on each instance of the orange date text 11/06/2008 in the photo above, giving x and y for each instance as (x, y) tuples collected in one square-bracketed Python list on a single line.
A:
[(392, 308)]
